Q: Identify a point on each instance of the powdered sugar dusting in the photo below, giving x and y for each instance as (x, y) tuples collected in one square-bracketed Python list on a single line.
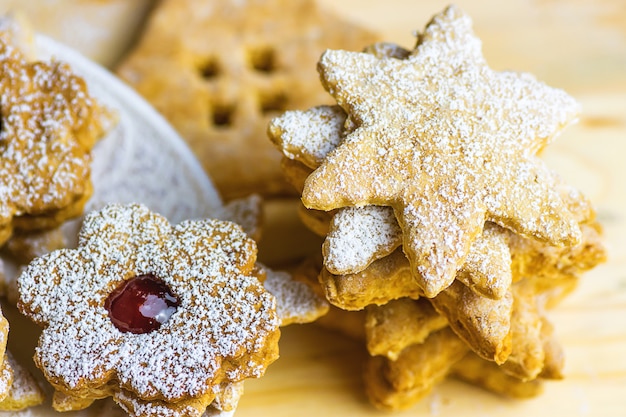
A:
[(49, 124), (316, 136), (296, 301), (6, 379), (226, 320), (358, 236), (437, 130)]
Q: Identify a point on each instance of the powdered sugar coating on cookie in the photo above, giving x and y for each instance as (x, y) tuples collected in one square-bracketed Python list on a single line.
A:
[(49, 125), (316, 136), (296, 301), (225, 328), (448, 143), (358, 236)]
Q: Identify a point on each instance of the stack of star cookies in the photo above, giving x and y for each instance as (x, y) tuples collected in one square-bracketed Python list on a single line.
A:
[(443, 227)]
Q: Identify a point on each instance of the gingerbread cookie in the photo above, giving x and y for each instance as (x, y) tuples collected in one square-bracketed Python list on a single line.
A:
[(49, 124), (154, 315), (219, 70)]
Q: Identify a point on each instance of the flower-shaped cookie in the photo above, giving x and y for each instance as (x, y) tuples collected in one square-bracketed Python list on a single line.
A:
[(155, 315), (448, 143), (48, 125)]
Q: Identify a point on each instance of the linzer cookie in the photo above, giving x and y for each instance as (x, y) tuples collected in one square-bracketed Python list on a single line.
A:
[(442, 224), (49, 124), (219, 70), (154, 315), (172, 319)]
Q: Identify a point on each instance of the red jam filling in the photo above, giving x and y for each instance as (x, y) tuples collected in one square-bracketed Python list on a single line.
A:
[(141, 304)]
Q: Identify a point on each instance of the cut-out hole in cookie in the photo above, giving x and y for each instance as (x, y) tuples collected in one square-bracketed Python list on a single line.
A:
[(263, 60), (273, 102), (209, 69), (223, 115)]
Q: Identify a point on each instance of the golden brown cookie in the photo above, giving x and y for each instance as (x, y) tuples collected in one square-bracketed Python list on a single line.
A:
[(165, 313), (387, 279), (446, 148), (400, 323), (483, 323), (398, 384), (25, 390), (219, 70), (357, 236), (49, 124)]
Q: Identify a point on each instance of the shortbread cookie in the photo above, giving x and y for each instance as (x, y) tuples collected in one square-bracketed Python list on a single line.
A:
[(168, 355), (218, 70), (45, 165), (398, 324), (444, 147), (357, 236)]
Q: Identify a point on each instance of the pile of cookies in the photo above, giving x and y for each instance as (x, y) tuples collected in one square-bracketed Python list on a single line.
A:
[(167, 320), (446, 236)]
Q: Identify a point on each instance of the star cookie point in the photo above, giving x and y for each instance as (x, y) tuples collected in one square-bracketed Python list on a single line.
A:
[(448, 143)]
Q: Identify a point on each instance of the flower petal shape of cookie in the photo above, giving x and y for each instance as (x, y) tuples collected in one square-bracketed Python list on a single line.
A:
[(223, 327), (448, 143)]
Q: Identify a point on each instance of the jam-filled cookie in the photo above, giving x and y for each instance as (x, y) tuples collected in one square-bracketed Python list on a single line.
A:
[(159, 317)]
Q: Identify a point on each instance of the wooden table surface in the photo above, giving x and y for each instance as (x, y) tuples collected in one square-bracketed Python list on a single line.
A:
[(580, 46)]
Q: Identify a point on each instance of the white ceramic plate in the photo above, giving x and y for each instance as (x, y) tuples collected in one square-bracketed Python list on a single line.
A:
[(143, 159)]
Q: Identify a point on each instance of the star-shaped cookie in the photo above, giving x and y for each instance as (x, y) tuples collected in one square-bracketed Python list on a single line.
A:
[(448, 143), (357, 236)]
